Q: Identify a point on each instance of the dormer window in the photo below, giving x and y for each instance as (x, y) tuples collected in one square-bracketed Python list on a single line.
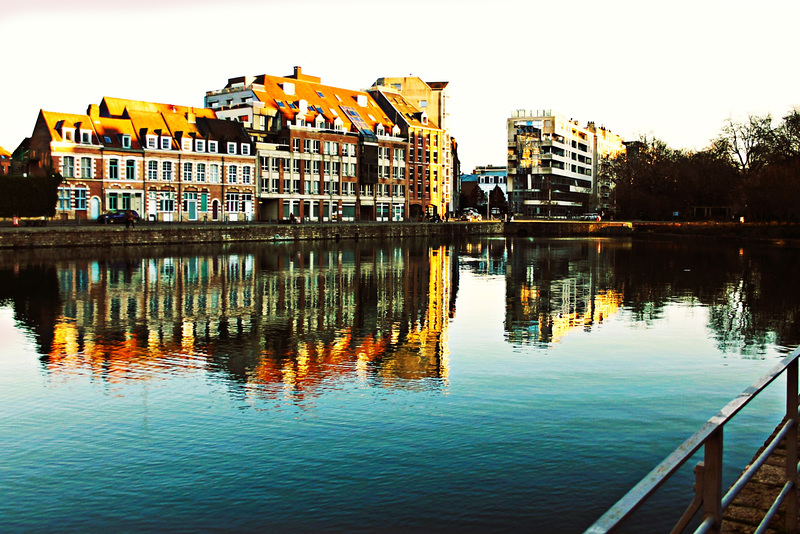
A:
[(319, 122), (152, 141), (379, 129), (166, 143), (231, 148), (212, 147), (86, 137), (245, 149), (67, 134), (300, 121), (126, 141), (200, 145)]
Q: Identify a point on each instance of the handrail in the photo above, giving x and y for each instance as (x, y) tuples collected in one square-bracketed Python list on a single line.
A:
[(710, 437)]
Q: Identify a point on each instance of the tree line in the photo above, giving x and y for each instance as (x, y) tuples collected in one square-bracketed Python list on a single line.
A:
[(751, 169)]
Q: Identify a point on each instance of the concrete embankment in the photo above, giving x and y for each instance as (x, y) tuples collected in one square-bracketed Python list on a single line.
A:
[(94, 235)]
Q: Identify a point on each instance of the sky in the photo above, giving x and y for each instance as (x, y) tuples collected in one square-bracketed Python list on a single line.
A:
[(672, 70)]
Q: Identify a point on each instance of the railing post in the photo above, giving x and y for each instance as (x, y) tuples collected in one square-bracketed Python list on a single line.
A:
[(712, 483), (791, 447)]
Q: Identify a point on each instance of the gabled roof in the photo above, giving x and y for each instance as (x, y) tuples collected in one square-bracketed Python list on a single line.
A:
[(148, 122), (404, 110), (116, 107), (55, 123), (109, 132), (284, 94), (222, 130)]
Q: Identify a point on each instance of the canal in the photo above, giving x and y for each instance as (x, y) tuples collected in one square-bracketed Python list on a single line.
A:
[(477, 385)]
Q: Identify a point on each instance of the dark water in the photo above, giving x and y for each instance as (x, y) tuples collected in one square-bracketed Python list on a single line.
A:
[(479, 386)]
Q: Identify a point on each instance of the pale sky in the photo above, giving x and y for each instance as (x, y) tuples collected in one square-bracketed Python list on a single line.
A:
[(674, 70)]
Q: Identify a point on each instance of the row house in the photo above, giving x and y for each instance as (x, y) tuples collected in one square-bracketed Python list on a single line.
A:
[(430, 98), (427, 147), (169, 163), (325, 153)]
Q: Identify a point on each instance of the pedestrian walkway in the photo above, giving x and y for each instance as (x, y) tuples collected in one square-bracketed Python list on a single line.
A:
[(750, 506)]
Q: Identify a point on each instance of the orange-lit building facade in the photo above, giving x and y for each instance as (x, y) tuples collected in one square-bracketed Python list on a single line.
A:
[(325, 153), (166, 162)]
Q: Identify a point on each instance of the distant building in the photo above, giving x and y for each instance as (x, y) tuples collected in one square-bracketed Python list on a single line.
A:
[(553, 165), (486, 178), (5, 161), (166, 162)]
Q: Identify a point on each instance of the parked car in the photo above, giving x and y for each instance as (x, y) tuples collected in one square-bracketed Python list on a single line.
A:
[(589, 217), (116, 216), (471, 214)]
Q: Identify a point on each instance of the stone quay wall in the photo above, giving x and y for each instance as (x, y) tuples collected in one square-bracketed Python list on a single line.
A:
[(167, 234)]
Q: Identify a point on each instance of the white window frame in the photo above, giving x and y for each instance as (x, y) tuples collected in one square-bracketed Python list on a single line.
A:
[(231, 148), (212, 147), (245, 149), (152, 141), (200, 145), (166, 143)]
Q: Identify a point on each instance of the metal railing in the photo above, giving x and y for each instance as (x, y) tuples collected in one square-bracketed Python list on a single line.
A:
[(708, 497)]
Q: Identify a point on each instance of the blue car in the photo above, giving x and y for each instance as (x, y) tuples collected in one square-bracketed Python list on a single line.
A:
[(117, 216)]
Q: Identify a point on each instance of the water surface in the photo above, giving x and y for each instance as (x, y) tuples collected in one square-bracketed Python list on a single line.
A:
[(478, 386)]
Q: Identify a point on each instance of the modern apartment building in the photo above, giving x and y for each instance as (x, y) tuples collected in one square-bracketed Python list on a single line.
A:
[(166, 162), (553, 164), (429, 98), (325, 153)]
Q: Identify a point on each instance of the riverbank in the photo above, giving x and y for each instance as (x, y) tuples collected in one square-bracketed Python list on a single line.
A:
[(96, 235)]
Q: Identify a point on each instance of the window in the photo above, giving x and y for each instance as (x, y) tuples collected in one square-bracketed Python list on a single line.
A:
[(187, 172), (201, 172), (80, 198), (64, 194), (130, 169), (213, 173), (68, 167), (112, 201), (231, 202), (246, 175), (166, 201), (295, 145), (315, 149), (151, 141), (232, 170), (113, 169), (200, 145), (166, 170), (212, 147), (86, 167), (307, 145), (276, 165), (316, 167), (231, 148), (126, 141), (86, 137), (166, 143), (295, 166), (245, 149), (152, 170)]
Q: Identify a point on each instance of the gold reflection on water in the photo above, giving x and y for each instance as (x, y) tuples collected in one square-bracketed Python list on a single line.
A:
[(298, 319)]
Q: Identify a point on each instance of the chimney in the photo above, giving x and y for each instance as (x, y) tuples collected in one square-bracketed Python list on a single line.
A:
[(93, 111), (191, 116)]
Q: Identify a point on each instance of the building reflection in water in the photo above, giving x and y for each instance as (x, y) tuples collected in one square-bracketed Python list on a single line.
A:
[(552, 286), (278, 320)]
